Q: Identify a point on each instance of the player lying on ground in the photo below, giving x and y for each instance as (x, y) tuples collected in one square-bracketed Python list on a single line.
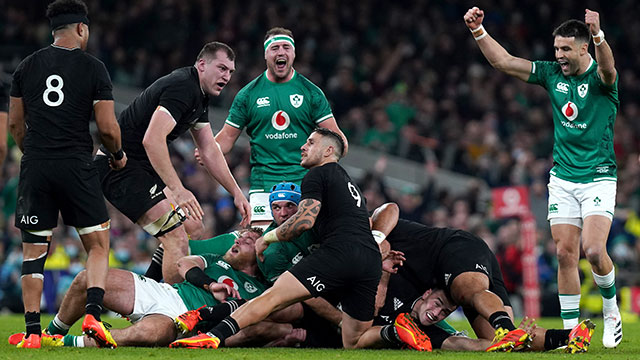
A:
[(152, 306)]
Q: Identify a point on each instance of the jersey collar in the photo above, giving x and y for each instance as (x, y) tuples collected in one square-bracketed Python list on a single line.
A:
[(64, 48), (295, 74)]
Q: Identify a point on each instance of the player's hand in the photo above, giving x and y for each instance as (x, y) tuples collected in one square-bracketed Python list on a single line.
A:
[(473, 18), (241, 203), (188, 202), (196, 154), (592, 19), (261, 246), (392, 261), (222, 291), (529, 326), (118, 164)]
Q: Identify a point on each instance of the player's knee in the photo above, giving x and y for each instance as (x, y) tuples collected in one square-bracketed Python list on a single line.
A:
[(33, 262), (168, 222), (594, 254), (567, 257)]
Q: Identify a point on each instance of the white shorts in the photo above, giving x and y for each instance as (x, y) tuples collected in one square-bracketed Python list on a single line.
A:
[(152, 297), (260, 209), (569, 200)]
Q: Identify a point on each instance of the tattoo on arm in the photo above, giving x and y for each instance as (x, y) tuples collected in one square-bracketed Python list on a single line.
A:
[(301, 221)]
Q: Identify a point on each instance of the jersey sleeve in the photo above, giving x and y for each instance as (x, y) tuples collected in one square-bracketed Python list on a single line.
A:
[(177, 98), (320, 106), (238, 113), (312, 184), (103, 86), (275, 262), (540, 72), (209, 259)]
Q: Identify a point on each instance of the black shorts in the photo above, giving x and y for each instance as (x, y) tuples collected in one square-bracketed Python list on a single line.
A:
[(69, 186), (455, 259), (346, 268), (134, 189)]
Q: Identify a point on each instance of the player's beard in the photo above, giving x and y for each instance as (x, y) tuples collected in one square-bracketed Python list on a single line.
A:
[(238, 261)]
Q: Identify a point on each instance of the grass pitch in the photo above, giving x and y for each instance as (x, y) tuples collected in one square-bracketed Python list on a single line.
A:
[(628, 349)]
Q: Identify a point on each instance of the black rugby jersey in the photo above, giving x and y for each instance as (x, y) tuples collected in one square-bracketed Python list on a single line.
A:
[(58, 87), (421, 246), (179, 93), (343, 215)]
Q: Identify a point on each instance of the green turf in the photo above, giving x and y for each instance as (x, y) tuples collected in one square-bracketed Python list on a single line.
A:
[(629, 349)]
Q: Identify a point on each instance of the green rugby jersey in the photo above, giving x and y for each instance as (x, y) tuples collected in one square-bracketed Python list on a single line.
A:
[(219, 270), (281, 256), (278, 118), (584, 111), (216, 245)]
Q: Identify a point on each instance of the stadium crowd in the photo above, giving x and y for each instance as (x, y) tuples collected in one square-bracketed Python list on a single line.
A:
[(403, 79)]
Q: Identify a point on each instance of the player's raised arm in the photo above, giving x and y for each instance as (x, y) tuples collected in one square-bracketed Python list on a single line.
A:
[(497, 55), (604, 55)]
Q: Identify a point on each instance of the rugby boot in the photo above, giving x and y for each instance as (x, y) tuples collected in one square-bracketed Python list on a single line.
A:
[(410, 334), (200, 341), (186, 322), (508, 341), (98, 331), (580, 337)]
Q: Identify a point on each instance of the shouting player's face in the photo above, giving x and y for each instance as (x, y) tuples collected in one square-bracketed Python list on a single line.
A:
[(215, 73), (568, 52), (434, 307), (279, 57)]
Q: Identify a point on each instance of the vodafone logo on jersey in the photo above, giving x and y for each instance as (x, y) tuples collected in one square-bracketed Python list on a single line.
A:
[(227, 280), (280, 120), (570, 111)]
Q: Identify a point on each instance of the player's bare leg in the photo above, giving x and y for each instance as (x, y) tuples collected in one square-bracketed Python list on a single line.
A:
[(567, 239), (153, 330), (174, 242), (594, 242)]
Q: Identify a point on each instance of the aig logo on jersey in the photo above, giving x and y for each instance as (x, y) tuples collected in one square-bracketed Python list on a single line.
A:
[(570, 111), (280, 120), (296, 100)]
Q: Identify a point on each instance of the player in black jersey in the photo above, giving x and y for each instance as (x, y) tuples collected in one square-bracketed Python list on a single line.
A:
[(433, 305), (148, 191), (348, 262), (463, 265), (53, 94)]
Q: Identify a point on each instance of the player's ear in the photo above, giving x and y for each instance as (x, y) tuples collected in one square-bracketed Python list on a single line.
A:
[(200, 64)]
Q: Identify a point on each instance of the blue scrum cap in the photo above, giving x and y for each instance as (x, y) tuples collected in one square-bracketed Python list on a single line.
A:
[(285, 191)]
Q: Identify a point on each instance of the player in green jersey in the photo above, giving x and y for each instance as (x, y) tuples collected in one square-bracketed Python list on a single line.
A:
[(279, 109), (582, 187), (152, 306)]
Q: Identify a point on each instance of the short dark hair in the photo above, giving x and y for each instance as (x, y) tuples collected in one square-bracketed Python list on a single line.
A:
[(63, 7), (573, 28), (209, 51), (333, 136), (278, 31)]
